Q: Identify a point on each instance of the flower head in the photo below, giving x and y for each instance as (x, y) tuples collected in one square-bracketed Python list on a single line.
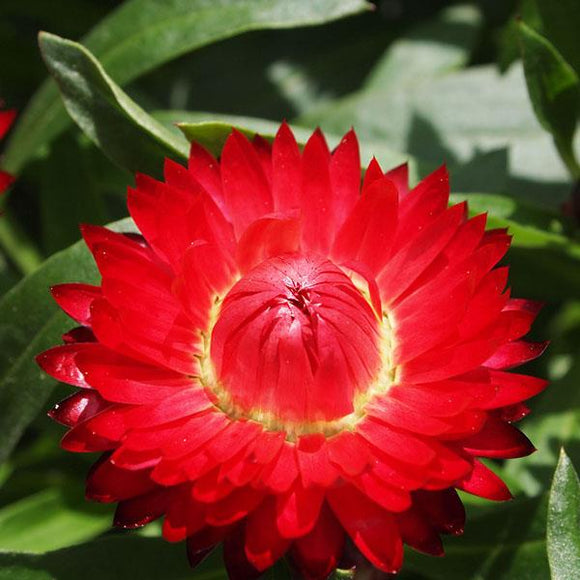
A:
[(286, 359)]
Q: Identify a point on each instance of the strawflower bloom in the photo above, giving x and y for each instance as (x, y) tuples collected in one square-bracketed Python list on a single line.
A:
[(6, 119), (287, 361)]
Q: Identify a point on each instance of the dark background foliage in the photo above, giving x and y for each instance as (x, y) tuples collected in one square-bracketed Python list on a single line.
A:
[(488, 87)]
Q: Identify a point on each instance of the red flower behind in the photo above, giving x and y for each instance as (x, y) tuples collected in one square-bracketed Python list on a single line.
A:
[(284, 360), (6, 119)]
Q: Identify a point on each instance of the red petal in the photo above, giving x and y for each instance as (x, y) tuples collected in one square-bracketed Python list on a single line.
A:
[(60, 363), (443, 509), (345, 176), (418, 252), (513, 388), (424, 203), (267, 237), (498, 439), (484, 483), (318, 553), (400, 177), (108, 483), (317, 199), (418, 534), (367, 234), (286, 171), (312, 454), (297, 510), (79, 334), (514, 354), (264, 544), (348, 452), (77, 408), (206, 273), (6, 119), (235, 559), (402, 446), (246, 189), (372, 173), (210, 489), (124, 380), (372, 529), (6, 180), (206, 171), (76, 300), (139, 511), (387, 496), (282, 472), (234, 507)]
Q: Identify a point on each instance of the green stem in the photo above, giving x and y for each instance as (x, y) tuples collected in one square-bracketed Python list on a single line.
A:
[(17, 246), (568, 156)]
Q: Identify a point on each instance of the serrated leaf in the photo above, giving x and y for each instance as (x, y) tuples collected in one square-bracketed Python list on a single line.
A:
[(143, 34), (554, 90), (30, 322), (563, 533)]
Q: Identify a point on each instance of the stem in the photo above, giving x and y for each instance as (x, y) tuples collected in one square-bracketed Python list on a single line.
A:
[(17, 245), (568, 156)]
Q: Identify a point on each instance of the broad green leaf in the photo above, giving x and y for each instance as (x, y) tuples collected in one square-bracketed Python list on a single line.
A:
[(30, 322), (211, 131), (126, 134), (462, 114), (554, 90), (559, 22), (530, 225), (563, 534), (555, 421), (113, 557), (143, 34), (428, 50), (52, 519), (505, 542), (69, 195)]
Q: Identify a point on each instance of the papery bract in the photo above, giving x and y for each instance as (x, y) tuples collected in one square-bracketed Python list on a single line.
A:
[(286, 359), (6, 119)]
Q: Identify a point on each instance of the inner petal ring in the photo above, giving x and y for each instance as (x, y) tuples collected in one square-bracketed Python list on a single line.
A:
[(296, 346)]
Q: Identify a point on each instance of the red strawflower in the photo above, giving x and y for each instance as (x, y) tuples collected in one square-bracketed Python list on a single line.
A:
[(284, 360), (6, 119)]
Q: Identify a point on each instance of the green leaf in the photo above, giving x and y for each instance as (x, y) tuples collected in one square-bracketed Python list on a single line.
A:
[(143, 34), (126, 134), (429, 50), (112, 557), (211, 131), (30, 322), (559, 21), (529, 224), (462, 115), (504, 542), (554, 90), (69, 195), (563, 534), (54, 518)]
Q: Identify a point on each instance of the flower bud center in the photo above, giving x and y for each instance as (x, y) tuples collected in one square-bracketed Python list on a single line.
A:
[(295, 343)]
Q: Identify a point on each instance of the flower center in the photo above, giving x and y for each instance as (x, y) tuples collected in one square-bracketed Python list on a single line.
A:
[(295, 345)]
